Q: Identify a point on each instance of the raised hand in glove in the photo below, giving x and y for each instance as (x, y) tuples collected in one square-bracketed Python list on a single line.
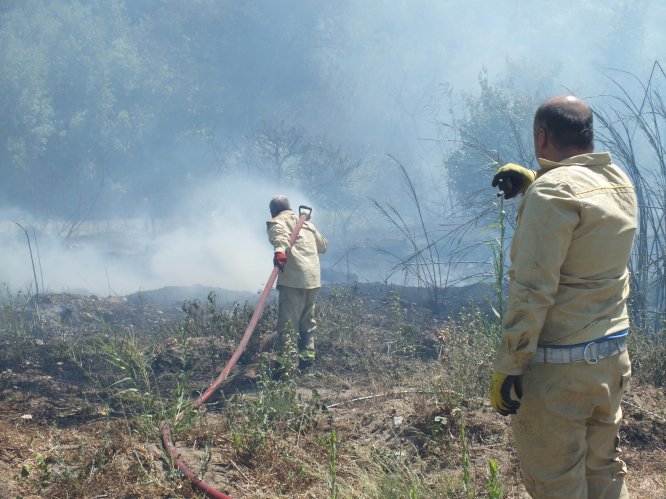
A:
[(513, 179), (500, 393), (280, 260)]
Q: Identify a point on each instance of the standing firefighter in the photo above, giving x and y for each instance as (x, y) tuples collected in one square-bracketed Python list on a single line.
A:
[(299, 280), (562, 366)]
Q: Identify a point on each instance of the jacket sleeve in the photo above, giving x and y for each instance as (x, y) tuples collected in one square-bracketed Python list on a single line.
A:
[(278, 235), (322, 243), (547, 217)]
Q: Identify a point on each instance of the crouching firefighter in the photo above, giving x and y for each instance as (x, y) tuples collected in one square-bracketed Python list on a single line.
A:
[(562, 365), (299, 279)]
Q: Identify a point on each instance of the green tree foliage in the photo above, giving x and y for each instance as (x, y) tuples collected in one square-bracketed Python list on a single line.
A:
[(495, 128), (97, 95), (76, 99)]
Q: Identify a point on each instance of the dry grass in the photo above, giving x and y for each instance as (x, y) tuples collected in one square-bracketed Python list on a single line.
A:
[(395, 408)]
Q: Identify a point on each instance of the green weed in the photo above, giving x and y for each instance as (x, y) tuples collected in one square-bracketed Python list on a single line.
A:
[(468, 342), (494, 482), (331, 441)]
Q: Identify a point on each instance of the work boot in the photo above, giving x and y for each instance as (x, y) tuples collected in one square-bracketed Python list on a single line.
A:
[(285, 369), (306, 344), (306, 359), (305, 365)]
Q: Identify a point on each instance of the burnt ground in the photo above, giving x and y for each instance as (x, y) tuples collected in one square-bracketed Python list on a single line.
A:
[(86, 383)]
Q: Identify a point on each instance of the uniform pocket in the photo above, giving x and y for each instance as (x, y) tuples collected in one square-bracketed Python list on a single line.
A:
[(624, 382), (626, 372)]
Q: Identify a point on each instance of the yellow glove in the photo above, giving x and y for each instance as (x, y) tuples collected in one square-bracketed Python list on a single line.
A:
[(500, 393), (513, 179)]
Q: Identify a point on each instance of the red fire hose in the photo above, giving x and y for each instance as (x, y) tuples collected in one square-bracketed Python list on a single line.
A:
[(304, 214)]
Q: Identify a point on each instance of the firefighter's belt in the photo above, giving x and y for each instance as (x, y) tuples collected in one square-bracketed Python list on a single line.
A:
[(589, 352)]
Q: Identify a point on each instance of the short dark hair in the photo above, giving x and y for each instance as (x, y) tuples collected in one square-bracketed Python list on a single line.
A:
[(567, 125), (278, 204)]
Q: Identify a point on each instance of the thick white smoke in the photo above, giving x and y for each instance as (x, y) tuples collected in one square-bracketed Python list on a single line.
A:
[(218, 240)]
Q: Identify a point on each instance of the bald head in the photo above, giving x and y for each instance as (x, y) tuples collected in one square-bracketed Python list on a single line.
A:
[(566, 122), (278, 204)]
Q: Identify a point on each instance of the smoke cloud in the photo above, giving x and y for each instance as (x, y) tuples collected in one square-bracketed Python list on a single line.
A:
[(218, 240)]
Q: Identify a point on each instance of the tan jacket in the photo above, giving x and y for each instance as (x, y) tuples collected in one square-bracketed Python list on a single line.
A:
[(302, 269), (568, 280)]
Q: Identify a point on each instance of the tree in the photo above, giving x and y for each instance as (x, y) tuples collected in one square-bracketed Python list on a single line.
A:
[(495, 129), (74, 102), (101, 98), (288, 155)]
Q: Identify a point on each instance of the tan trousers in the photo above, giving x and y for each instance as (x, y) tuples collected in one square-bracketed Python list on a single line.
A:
[(296, 306), (566, 430)]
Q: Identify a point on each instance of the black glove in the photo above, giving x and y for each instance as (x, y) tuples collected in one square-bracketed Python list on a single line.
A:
[(513, 179), (500, 393)]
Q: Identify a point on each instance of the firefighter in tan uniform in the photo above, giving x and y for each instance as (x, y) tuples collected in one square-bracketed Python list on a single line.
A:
[(562, 366), (299, 280)]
